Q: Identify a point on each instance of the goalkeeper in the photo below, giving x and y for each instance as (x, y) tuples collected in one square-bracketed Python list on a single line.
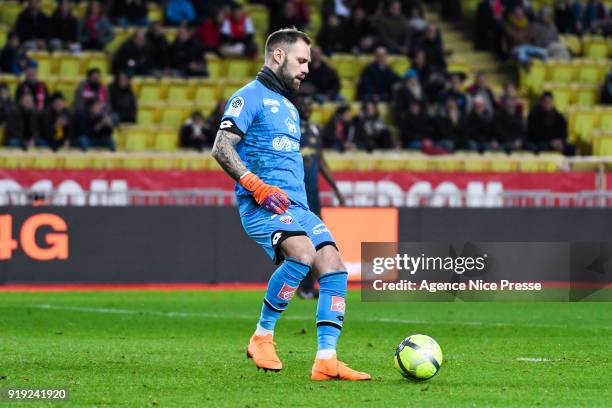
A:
[(258, 144)]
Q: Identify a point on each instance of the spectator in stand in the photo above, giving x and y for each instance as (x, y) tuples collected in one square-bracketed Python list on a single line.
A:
[(359, 34), (186, 55), (431, 44), (237, 34), (339, 132), (406, 91), (22, 124), (122, 100), (63, 28), (322, 80), (450, 9), (414, 126), (95, 29), (13, 58), (417, 22), (55, 123), (547, 128), (6, 103), (510, 92), (32, 26), (211, 126), (90, 89), (488, 25), (507, 127), (34, 87), (209, 32), (567, 16), (546, 36), (432, 81), (519, 34), (159, 48), (450, 130), (393, 31), (180, 12), (455, 92), (129, 12), (377, 79), (340, 8), (289, 17), (478, 126), (93, 127), (193, 134), (134, 56), (371, 132), (481, 88), (331, 38), (606, 90)]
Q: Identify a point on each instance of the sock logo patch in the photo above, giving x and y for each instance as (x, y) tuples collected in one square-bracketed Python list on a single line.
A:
[(286, 292), (338, 304)]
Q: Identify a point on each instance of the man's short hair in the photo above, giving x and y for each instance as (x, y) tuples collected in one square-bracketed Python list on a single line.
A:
[(286, 36)]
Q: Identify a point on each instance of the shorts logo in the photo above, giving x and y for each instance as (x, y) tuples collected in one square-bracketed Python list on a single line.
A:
[(235, 106), (291, 126), (286, 219), (286, 292), (337, 304), (276, 238), (319, 229), (285, 144)]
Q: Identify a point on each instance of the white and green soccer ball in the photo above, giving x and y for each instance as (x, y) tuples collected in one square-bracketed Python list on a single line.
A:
[(418, 357)]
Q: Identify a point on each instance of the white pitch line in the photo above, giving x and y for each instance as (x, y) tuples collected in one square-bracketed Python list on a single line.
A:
[(288, 317), (534, 359)]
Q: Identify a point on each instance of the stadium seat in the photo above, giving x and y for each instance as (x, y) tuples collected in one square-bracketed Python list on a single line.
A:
[(562, 95), (348, 90), (173, 116), (77, 162), (97, 60), (238, 69), (595, 48), (206, 92), (69, 66), (259, 17), (9, 12), (148, 115), (527, 165), (166, 141), (560, 72), (121, 35), (605, 121), (572, 42), (135, 163), (602, 143), (44, 162), (67, 87), (589, 72), (345, 65), (46, 63), (230, 87), (582, 123), (586, 95), (534, 78), (162, 164), (214, 65), (136, 139), (400, 65), (150, 94), (178, 92)]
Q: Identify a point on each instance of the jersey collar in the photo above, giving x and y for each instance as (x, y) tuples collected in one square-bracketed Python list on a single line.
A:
[(269, 79)]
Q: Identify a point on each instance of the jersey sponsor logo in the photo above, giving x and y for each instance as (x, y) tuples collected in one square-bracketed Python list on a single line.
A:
[(225, 124), (235, 106), (337, 304), (285, 144), (319, 229), (286, 219), (291, 126), (276, 237), (286, 292), (274, 109), (271, 102)]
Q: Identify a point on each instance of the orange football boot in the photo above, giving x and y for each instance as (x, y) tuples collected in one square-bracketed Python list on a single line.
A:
[(332, 369), (261, 350)]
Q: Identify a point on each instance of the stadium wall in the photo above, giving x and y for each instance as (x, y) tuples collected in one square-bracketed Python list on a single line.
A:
[(207, 244)]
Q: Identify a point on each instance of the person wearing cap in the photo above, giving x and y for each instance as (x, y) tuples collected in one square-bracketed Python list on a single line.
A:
[(55, 123)]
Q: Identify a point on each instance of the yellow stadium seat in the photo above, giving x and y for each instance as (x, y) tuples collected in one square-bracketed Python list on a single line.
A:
[(46, 63), (67, 87), (97, 60), (69, 66), (503, 165), (595, 48), (173, 116), (238, 68), (230, 87), (589, 73), (214, 65), (605, 121), (260, 19), (178, 92), (316, 116), (162, 163), (400, 65), (166, 141), (156, 13), (135, 163), (348, 90), (562, 96), (586, 95), (136, 139), (9, 12), (150, 93), (602, 143), (77, 162), (345, 65), (572, 42), (44, 162), (148, 115), (535, 77), (560, 72), (418, 164), (582, 125), (121, 35), (206, 92), (528, 165)]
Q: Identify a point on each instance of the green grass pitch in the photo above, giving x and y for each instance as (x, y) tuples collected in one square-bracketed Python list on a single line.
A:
[(187, 349)]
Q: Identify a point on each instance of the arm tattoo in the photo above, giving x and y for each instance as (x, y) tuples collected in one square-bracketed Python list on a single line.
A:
[(225, 153)]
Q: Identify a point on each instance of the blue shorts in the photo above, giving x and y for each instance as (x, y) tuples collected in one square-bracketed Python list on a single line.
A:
[(269, 230)]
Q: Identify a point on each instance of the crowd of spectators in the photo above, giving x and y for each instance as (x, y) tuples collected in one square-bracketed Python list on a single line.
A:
[(513, 28)]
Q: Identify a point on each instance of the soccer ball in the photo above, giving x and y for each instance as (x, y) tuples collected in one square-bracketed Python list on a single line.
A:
[(418, 357)]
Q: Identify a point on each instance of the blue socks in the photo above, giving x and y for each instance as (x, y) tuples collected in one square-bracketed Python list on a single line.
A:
[(281, 287), (330, 309)]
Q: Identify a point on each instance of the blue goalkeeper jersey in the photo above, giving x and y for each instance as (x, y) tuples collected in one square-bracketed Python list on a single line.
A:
[(270, 147)]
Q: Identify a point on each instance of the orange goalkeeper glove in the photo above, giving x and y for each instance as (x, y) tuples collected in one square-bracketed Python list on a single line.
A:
[(269, 197)]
